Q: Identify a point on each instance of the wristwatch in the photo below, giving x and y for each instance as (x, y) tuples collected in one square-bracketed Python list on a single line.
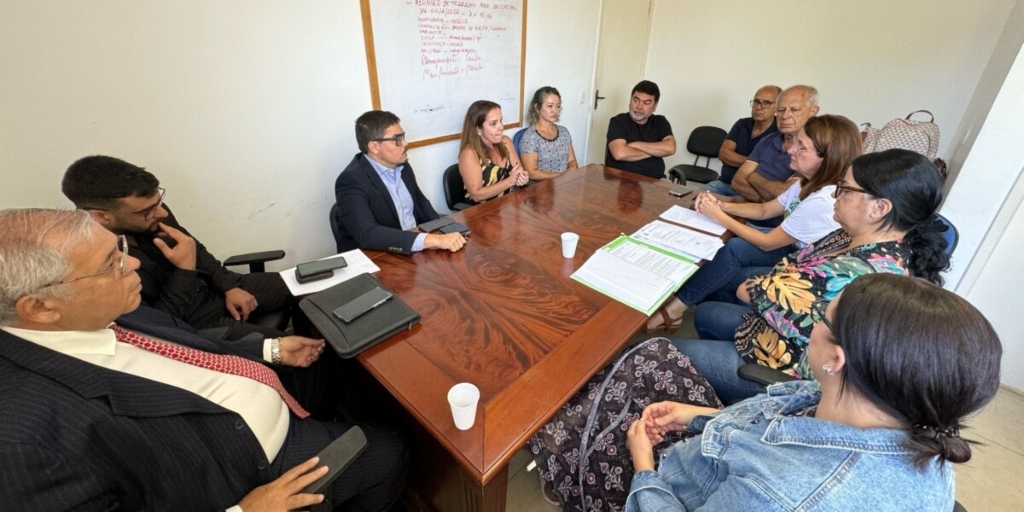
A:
[(275, 351)]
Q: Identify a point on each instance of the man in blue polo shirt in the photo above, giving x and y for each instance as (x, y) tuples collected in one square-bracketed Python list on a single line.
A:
[(766, 173), (744, 136)]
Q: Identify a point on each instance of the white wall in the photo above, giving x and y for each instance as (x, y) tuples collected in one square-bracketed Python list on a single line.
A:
[(986, 202), (243, 109), (871, 60)]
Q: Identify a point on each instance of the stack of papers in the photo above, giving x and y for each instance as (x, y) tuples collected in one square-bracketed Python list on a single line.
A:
[(690, 218), (698, 246), (638, 274), (643, 269), (358, 263)]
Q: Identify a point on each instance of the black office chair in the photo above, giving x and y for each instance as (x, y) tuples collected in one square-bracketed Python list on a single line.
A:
[(951, 234), (454, 189), (337, 456), (257, 262), (704, 141)]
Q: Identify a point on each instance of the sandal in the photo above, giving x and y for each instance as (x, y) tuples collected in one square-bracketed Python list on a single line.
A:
[(669, 324)]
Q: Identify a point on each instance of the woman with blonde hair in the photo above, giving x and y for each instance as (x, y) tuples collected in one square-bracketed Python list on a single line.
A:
[(546, 148)]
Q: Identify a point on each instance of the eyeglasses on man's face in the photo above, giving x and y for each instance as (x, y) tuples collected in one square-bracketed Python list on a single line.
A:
[(122, 244), (761, 103), (842, 188), (149, 213), (398, 139)]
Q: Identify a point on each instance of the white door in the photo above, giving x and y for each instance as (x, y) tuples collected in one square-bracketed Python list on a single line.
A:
[(621, 53)]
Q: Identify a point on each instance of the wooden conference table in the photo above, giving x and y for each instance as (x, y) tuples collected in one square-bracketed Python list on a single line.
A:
[(503, 314)]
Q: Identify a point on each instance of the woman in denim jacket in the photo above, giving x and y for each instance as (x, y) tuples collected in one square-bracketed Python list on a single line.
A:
[(899, 363)]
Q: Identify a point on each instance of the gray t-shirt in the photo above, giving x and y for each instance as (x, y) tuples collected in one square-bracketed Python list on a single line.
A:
[(552, 155)]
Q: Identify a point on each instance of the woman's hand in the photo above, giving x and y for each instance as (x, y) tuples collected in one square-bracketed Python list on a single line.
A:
[(640, 446), (521, 176), (664, 417), (709, 206)]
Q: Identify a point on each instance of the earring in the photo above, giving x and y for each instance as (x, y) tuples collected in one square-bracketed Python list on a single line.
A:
[(827, 369)]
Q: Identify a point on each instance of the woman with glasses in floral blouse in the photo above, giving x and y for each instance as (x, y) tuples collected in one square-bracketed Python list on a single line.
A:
[(886, 207)]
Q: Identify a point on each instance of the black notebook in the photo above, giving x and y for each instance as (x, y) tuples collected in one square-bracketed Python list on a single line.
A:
[(372, 327)]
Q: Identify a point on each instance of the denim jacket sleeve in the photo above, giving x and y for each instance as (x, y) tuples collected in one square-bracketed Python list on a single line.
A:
[(649, 492)]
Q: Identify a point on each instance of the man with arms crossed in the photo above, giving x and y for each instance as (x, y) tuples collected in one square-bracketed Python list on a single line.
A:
[(744, 136), (179, 276), (639, 140), (378, 200), (142, 414)]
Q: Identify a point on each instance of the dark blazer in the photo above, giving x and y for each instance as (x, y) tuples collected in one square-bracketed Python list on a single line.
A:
[(77, 436), (366, 215)]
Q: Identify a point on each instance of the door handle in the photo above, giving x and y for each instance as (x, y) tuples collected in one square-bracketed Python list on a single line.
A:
[(597, 96)]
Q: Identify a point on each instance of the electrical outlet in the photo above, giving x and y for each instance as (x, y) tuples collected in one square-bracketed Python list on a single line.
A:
[(583, 98)]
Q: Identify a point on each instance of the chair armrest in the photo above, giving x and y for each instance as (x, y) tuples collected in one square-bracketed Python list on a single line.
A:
[(255, 260), (461, 206), (338, 456), (762, 374)]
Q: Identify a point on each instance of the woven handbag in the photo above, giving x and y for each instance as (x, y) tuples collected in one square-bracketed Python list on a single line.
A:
[(918, 136)]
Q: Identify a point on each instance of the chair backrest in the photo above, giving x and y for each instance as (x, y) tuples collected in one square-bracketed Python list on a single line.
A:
[(952, 235), (706, 141), (334, 223), (518, 137), (454, 188)]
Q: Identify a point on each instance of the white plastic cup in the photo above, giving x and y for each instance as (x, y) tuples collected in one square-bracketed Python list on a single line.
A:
[(463, 398), (569, 241)]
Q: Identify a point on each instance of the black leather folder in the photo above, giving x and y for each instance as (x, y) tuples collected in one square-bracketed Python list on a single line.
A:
[(374, 326)]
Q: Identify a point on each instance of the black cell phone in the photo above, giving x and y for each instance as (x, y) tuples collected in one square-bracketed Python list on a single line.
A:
[(680, 191), (320, 269), (436, 224), (338, 456), (456, 227), (361, 304)]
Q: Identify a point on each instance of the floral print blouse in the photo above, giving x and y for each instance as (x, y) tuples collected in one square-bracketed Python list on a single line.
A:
[(777, 334)]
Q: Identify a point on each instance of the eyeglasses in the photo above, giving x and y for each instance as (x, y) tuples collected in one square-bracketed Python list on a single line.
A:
[(761, 104), (818, 308), (398, 139), (150, 213), (798, 148), (841, 189), (122, 243)]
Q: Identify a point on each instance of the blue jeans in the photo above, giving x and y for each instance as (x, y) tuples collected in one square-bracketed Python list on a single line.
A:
[(719, 187), (717, 361), (727, 270), (715, 358)]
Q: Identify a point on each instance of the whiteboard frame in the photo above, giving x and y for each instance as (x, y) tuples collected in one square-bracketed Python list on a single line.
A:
[(371, 63)]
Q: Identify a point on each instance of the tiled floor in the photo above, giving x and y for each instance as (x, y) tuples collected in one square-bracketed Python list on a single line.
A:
[(990, 482)]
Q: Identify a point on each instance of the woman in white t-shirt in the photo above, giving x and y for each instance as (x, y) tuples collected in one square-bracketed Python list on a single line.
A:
[(821, 153)]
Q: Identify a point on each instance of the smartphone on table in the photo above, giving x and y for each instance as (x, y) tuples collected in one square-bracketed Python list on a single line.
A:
[(361, 304), (320, 269)]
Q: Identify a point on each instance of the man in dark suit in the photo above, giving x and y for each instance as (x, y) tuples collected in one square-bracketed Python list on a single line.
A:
[(142, 414), (178, 274), (378, 200)]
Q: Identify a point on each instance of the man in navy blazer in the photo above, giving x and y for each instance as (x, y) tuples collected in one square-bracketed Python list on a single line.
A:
[(378, 201), (92, 423)]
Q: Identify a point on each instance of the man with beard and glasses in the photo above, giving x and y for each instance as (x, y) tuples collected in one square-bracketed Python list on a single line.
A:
[(179, 276), (639, 140)]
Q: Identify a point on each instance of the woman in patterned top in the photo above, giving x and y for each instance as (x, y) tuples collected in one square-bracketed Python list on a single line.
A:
[(822, 152), (488, 165), (546, 148), (886, 206)]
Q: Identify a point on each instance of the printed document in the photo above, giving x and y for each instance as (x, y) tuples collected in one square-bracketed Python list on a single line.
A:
[(690, 218)]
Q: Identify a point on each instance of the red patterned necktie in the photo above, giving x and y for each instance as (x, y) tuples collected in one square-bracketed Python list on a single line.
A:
[(232, 365)]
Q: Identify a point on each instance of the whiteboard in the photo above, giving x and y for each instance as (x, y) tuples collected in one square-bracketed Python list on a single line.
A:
[(430, 59)]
